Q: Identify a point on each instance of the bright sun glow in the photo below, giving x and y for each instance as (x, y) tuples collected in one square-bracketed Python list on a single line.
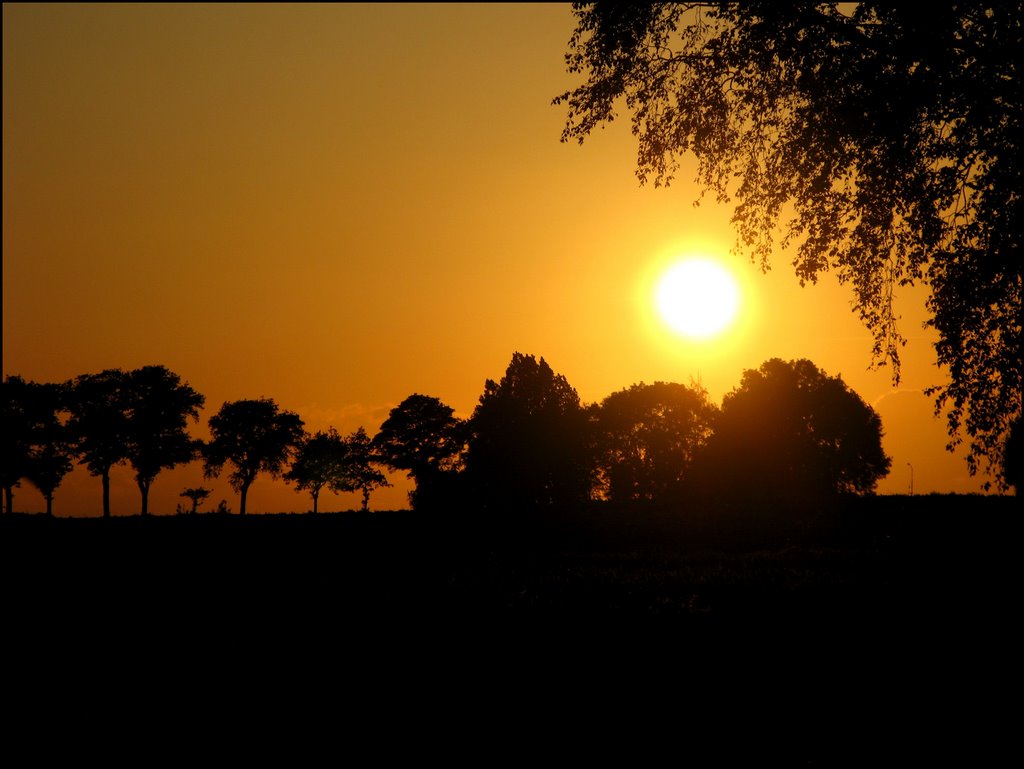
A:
[(697, 298)]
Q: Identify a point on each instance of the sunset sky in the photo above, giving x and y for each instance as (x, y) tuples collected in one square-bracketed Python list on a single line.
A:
[(339, 205)]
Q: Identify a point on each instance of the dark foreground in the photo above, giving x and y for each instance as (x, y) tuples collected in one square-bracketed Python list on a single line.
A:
[(880, 610), (875, 562)]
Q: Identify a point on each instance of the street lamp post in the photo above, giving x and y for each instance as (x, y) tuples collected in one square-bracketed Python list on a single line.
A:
[(911, 478)]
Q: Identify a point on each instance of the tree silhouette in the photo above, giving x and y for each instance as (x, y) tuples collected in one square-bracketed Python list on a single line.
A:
[(423, 437), (16, 436), (52, 446), (789, 430), (99, 423), (882, 142), (1013, 457), (196, 495), (359, 460), (647, 436), (37, 444), (253, 436), (158, 406), (320, 460), (529, 444)]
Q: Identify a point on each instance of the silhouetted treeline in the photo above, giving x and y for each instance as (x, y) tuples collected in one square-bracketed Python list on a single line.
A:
[(787, 432), (100, 420)]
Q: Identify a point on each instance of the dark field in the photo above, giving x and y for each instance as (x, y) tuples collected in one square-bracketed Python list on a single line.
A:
[(856, 632), (872, 632), (884, 562)]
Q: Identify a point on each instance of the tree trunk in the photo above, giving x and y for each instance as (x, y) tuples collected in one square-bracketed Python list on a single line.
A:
[(106, 493), (144, 489), (49, 505), (366, 500), (315, 494), (244, 491), (9, 498)]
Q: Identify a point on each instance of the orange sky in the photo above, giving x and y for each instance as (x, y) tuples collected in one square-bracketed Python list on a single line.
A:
[(340, 205)]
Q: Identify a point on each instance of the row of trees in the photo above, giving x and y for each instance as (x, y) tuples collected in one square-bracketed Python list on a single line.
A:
[(787, 430), (101, 420), (141, 417)]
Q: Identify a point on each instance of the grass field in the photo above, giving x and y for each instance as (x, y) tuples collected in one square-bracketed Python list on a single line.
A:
[(879, 631), (882, 559)]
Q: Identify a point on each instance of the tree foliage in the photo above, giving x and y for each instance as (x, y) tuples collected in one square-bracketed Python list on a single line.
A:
[(647, 437), (360, 473), (139, 417), (321, 460), (328, 460), (879, 141), (423, 437), (790, 430), (98, 405), (529, 445), (37, 444), (52, 452), (16, 436), (158, 407), (253, 436), (1013, 457), (196, 495)]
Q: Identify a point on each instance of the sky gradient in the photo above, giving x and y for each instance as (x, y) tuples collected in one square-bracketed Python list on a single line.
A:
[(339, 205)]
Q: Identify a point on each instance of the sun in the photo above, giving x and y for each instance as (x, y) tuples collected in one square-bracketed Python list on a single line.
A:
[(697, 298)]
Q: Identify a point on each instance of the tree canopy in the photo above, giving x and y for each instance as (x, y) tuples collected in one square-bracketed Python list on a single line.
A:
[(99, 423), (16, 436), (196, 495), (880, 141), (320, 461), (423, 437), (37, 443), (158, 405), (647, 436), (338, 463), (529, 445), (791, 430), (253, 436), (140, 417), (1013, 457), (360, 457)]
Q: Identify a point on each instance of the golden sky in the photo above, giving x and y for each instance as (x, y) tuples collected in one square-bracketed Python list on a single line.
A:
[(339, 205)]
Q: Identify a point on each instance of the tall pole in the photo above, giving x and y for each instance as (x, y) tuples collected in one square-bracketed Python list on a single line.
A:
[(911, 478)]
